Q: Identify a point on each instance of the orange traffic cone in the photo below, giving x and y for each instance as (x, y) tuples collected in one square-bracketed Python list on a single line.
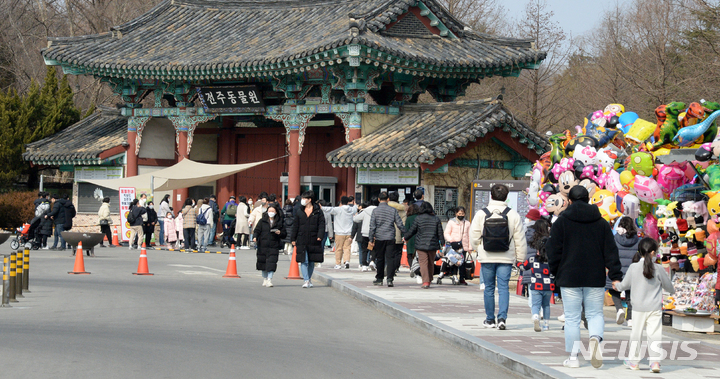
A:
[(404, 259), (476, 274), (115, 241), (294, 269), (143, 263), (79, 268), (231, 271)]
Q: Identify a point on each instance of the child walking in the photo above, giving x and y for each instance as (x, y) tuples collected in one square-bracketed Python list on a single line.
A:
[(170, 233), (647, 280), (542, 284)]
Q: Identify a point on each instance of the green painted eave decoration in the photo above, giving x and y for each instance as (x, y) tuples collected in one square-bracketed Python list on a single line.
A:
[(368, 57)]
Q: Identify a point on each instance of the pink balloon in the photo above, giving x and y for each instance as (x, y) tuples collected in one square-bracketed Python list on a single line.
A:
[(650, 227)]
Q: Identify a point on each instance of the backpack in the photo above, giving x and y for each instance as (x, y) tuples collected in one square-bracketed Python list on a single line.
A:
[(131, 217), (41, 209), (201, 219), (496, 232), (231, 210)]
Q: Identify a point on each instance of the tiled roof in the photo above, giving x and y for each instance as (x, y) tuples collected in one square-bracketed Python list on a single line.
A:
[(226, 39), (426, 132), (82, 142)]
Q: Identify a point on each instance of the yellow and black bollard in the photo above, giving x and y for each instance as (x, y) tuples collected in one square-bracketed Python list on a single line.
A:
[(26, 270), (19, 274), (6, 282), (11, 295)]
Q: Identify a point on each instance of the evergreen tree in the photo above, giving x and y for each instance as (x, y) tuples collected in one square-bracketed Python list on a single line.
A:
[(40, 113)]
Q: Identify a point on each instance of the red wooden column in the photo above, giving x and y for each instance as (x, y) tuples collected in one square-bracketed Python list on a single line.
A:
[(225, 157), (132, 159), (294, 164), (182, 154)]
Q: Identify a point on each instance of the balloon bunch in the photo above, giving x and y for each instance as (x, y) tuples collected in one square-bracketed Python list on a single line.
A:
[(613, 155)]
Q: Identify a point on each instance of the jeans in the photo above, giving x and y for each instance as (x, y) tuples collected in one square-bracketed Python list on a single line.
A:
[(384, 251), (59, 229), (501, 271), (204, 235), (573, 300), (162, 231), (306, 267), (267, 274), (213, 233), (541, 299), (363, 251)]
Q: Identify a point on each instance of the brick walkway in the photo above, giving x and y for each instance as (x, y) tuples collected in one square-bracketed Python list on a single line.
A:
[(460, 307)]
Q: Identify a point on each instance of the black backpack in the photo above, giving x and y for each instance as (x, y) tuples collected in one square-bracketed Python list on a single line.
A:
[(496, 232), (131, 217)]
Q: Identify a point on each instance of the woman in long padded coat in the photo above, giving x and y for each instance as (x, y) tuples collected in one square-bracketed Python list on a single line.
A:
[(268, 235), (307, 236)]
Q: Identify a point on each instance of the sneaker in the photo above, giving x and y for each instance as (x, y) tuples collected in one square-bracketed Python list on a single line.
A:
[(265, 282), (620, 318), (377, 282), (269, 283), (462, 282), (571, 363), (536, 323), (310, 285), (337, 267), (629, 323), (482, 286), (347, 265), (630, 365), (390, 283), (418, 279), (306, 284), (425, 285), (655, 367), (546, 326), (595, 348), (489, 324), (501, 324), (561, 318), (46, 248), (372, 266), (362, 269)]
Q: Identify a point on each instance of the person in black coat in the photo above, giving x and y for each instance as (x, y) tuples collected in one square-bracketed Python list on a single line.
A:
[(58, 216), (149, 225), (45, 229), (69, 213), (268, 236), (307, 235), (136, 227), (580, 248), (627, 241), (288, 223), (429, 239)]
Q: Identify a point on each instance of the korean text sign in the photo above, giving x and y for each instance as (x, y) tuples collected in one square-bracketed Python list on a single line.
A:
[(236, 99), (127, 195)]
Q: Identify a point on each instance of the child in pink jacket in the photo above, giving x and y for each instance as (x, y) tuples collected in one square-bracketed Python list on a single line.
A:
[(179, 229), (170, 231)]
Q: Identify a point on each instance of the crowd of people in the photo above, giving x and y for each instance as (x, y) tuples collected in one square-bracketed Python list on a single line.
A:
[(576, 256)]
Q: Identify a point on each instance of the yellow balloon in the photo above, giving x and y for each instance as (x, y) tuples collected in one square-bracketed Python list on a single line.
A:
[(627, 179), (641, 130)]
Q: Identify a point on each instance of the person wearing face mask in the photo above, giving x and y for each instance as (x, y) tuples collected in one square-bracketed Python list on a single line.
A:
[(149, 224), (457, 233), (268, 236), (307, 235)]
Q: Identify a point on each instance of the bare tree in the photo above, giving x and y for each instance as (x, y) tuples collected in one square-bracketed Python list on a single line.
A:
[(484, 16)]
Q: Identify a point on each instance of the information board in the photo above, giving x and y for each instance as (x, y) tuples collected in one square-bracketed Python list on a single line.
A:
[(516, 200), (127, 195), (90, 197), (83, 173), (394, 176)]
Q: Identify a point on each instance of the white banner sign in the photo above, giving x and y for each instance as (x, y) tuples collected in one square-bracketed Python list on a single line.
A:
[(97, 173), (396, 176)]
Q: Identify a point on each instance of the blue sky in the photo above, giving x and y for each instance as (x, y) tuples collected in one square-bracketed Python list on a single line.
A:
[(575, 16)]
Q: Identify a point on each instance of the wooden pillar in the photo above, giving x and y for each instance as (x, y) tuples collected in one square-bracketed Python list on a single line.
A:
[(182, 154), (132, 159), (294, 164), (224, 157)]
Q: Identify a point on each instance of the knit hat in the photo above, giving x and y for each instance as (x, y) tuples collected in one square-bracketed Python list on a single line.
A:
[(682, 225), (533, 214)]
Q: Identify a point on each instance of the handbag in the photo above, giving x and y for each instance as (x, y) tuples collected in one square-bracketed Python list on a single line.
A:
[(371, 245), (105, 222)]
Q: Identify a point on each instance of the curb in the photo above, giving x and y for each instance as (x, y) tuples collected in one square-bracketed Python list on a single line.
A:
[(485, 350)]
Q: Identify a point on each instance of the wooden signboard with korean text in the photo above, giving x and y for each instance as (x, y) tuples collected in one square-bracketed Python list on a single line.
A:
[(235, 99)]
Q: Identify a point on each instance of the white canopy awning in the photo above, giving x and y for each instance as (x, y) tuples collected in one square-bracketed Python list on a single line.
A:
[(184, 174)]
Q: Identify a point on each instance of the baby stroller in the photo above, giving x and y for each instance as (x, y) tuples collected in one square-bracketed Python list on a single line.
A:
[(455, 263), (26, 234)]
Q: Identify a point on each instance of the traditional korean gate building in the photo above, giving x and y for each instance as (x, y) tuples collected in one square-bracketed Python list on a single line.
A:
[(235, 81)]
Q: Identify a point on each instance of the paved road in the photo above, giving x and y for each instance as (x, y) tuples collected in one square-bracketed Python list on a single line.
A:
[(187, 321)]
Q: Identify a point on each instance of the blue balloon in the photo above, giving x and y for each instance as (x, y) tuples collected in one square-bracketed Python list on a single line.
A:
[(626, 120)]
